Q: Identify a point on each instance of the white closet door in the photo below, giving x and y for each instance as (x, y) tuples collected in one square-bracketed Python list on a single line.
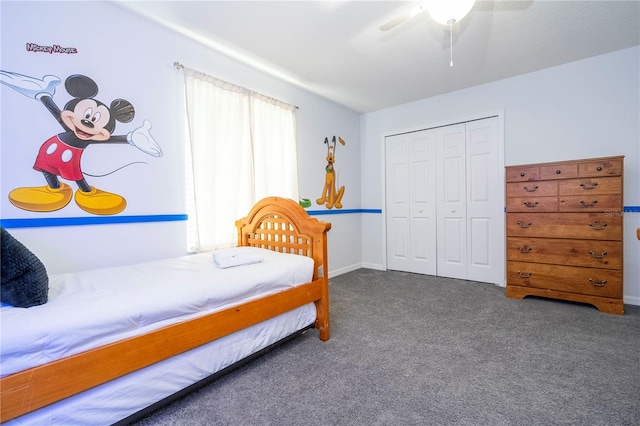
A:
[(397, 202), (485, 203), (445, 202), (451, 201), (411, 202)]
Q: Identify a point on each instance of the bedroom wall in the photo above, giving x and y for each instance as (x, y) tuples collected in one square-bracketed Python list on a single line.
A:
[(589, 108), (132, 58)]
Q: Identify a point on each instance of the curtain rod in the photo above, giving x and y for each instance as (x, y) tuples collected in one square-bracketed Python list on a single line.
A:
[(179, 66)]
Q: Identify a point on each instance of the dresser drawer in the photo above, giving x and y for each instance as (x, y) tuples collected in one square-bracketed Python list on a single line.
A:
[(588, 253), (532, 204), (522, 174), (602, 167), (559, 171), (532, 189), (572, 279), (597, 225), (597, 203), (590, 186)]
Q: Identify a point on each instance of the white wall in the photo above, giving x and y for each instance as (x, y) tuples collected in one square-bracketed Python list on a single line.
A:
[(133, 58), (584, 109)]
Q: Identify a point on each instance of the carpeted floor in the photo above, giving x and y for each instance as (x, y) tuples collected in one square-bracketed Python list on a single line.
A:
[(409, 349)]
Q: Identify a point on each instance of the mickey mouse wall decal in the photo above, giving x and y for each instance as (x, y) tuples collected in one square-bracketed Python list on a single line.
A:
[(86, 121)]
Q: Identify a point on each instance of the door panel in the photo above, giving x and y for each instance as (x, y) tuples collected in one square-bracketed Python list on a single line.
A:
[(481, 250), (453, 253), (485, 203), (451, 195), (411, 197), (397, 203)]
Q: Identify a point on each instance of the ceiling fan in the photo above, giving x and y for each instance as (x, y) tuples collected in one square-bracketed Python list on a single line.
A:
[(445, 12)]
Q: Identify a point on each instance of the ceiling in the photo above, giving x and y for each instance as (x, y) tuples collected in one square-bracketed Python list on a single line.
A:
[(336, 49)]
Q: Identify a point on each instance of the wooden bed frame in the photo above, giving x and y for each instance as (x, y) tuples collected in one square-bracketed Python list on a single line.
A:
[(274, 223)]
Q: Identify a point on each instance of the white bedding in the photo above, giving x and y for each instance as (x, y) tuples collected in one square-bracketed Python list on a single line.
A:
[(92, 308), (124, 396)]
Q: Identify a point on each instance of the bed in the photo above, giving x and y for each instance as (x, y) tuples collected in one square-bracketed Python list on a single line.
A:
[(161, 348)]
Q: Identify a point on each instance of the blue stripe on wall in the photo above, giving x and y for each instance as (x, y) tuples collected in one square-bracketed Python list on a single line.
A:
[(93, 220), (342, 211), (320, 212), (102, 220)]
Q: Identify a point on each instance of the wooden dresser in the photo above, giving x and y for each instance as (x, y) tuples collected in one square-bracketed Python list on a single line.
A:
[(564, 231)]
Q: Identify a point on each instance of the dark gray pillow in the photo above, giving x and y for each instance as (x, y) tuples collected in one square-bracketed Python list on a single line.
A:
[(24, 280)]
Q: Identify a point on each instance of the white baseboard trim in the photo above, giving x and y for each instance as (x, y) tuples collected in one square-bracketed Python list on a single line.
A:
[(340, 271), (375, 266), (631, 300)]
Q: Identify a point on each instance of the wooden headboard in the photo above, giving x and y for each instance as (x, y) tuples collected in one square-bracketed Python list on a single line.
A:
[(281, 224)]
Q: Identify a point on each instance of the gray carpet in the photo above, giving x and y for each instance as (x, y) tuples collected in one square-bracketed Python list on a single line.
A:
[(410, 349)]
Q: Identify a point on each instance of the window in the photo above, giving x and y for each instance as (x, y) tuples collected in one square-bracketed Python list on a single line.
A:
[(241, 148)]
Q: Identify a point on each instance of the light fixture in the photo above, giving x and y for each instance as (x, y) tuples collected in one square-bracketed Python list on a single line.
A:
[(448, 12)]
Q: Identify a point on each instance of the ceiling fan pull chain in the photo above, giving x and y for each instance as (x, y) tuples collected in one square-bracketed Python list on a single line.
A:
[(451, 44)]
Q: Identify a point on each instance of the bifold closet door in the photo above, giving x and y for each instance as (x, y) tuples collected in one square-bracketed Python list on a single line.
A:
[(451, 190), (445, 202), (485, 203), (470, 214), (410, 202)]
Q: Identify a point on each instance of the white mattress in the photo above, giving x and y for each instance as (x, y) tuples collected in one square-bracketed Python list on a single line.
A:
[(92, 308)]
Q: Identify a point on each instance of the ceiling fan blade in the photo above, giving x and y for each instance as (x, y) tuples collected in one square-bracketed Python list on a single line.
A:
[(395, 22), (404, 17)]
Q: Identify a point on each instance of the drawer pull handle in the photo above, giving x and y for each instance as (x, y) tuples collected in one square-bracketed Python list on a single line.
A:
[(597, 256), (525, 249), (558, 171), (522, 174), (534, 189), (524, 274), (523, 225), (587, 204), (597, 226), (530, 203), (599, 168), (592, 186), (596, 283)]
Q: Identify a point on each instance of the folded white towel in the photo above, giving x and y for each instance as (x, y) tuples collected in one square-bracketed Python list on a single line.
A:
[(237, 256)]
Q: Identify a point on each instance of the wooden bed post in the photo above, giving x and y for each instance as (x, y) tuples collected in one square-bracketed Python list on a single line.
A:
[(322, 305)]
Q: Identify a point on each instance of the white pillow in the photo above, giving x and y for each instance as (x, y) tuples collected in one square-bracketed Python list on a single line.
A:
[(237, 256)]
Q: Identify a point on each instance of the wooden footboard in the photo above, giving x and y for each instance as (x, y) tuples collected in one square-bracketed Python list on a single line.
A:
[(282, 225), (274, 223)]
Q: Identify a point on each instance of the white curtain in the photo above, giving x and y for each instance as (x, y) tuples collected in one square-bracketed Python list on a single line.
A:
[(242, 148)]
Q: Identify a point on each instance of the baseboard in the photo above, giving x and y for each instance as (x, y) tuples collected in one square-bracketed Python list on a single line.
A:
[(630, 300), (340, 271), (375, 266)]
